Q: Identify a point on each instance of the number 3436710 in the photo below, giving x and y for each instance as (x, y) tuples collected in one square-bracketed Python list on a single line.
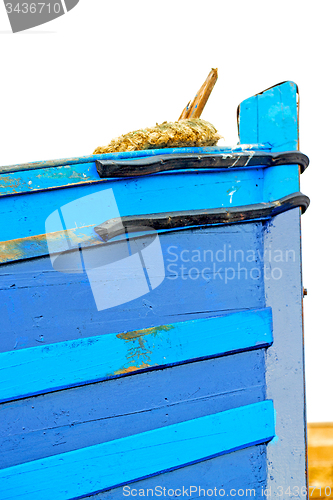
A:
[(33, 8), (314, 491)]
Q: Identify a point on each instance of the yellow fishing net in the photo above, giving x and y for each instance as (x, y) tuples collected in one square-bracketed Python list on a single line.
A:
[(192, 132)]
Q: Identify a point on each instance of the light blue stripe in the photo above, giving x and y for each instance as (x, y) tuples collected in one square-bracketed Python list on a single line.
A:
[(131, 154), (271, 117), (107, 465), (43, 369), (62, 173), (25, 215)]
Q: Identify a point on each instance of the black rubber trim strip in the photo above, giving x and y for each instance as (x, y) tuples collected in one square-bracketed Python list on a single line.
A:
[(166, 163), (204, 217)]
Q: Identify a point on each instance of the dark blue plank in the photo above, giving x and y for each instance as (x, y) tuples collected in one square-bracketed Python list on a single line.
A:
[(113, 463), (208, 271), (45, 425), (241, 474)]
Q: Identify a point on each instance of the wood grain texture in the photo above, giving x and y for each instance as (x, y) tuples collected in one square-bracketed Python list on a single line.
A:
[(67, 364), (120, 461), (320, 459), (67, 420), (195, 108)]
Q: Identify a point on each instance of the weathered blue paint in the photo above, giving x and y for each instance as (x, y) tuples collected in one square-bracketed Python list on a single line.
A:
[(128, 154), (273, 116), (180, 191), (72, 363), (41, 306), (285, 296), (120, 461), (243, 471), (37, 246), (151, 194), (26, 181), (227, 473), (63, 173), (56, 242), (53, 423)]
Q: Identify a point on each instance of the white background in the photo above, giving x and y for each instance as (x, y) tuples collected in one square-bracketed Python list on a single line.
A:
[(109, 67)]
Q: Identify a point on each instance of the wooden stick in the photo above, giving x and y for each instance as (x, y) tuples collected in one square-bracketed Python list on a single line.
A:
[(194, 109)]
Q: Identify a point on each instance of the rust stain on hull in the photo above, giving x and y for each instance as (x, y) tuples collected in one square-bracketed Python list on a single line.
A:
[(139, 352), (131, 369), (147, 331)]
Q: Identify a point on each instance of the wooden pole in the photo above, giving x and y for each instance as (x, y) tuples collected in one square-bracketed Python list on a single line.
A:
[(195, 108)]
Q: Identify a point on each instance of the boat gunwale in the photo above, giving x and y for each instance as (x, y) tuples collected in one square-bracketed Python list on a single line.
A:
[(7, 169)]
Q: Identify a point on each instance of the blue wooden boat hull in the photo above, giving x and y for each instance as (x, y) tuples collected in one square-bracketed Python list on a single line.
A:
[(164, 363)]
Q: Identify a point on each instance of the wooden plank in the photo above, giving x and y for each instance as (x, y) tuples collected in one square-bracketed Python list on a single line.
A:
[(195, 108), (85, 237), (273, 116), (107, 465), (196, 218), (208, 272), (160, 193), (285, 379), (57, 422), (320, 460), (67, 364), (169, 163), (40, 245), (39, 176), (126, 154), (243, 471), (27, 181)]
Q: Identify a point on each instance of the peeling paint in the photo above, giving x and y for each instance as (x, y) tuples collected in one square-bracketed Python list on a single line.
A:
[(138, 351), (131, 369), (232, 191), (47, 179), (36, 246), (9, 182), (147, 331)]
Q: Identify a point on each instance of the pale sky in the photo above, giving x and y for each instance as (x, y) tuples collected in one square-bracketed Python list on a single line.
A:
[(109, 67)]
